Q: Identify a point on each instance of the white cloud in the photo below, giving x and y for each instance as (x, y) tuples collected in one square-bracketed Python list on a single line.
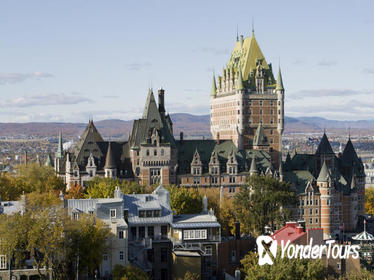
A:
[(14, 78), (45, 100)]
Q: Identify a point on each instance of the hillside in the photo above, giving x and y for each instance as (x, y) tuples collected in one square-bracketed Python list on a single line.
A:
[(193, 126)]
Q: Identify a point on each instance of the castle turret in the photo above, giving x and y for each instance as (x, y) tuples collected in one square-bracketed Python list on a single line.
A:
[(110, 167), (253, 170)]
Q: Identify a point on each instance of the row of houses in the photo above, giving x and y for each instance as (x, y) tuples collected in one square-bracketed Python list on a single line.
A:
[(148, 235)]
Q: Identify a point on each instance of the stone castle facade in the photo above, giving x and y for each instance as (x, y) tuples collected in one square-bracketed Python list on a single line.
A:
[(245, 96), (247, 121)]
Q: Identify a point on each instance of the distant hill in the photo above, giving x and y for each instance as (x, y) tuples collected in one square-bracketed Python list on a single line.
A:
[(193, 126)]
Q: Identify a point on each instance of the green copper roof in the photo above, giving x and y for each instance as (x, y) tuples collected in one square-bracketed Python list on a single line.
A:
[(246, 56), (239, 83), (48, 162), (324, 174), (60, 149), (279, 81), (260, 138), (214, 87), (253, 168), (324, 146)]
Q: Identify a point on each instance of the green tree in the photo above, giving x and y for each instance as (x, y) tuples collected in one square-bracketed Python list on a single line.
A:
[(263, 202), (9, 191), (283, 268), (33, 177), (105, 187), (131, 272), (185, 200)]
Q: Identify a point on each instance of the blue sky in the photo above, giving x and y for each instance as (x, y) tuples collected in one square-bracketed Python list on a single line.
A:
[(71, 60)]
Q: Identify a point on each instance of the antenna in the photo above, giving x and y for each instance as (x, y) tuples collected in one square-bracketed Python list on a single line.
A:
[(253, 25), (237, 33)]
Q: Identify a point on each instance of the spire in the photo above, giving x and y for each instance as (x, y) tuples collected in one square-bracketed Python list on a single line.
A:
[(237, 33), (60, 149), (279, 81), (214, 87), (48, 162), (324, 146), (260, 138), (324, 174), (253, 169), (239, 85), (109, 160)]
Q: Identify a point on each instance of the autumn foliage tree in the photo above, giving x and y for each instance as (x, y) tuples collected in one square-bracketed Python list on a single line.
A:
[(185, 200), (369, 204), (263, 202)]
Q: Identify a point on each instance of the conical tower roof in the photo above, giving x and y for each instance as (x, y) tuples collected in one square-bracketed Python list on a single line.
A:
[(239, 83), (253, 168), (110, 163), (324, 146), (260, 138), (279, 81), (214, 87), (349, 155), (324, 174), (48, 162)]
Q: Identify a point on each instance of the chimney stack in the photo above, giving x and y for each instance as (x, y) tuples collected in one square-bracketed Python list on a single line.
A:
[(161, 102), (205, 204)]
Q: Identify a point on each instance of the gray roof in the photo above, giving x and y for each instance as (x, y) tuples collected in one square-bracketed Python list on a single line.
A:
[(195, 221), (158, 200), (10, 207)]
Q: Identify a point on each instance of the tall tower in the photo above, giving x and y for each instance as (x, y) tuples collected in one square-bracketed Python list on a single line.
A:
[(245, 95)]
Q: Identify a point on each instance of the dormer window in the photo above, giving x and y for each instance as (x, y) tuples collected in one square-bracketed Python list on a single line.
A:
[(112, 213), (157, 213), (149, 213), (141, 213)]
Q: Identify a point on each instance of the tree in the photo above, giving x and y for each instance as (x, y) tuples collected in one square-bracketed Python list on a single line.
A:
[(283, 268), (105, 187), (75, 191), (191, 276), (33, 177), (225, 213), (129, 272), (9, 191), (53, 239), (369, 204), (185, 201), (263, 202)]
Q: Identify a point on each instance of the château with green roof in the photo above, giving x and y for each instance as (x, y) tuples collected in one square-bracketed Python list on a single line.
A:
[(245, 95)]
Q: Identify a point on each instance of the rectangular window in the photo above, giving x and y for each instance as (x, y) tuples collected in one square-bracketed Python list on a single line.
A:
[(208, 250), (112, 213), (195, 234), (141, 232), (311, 221), (141, 214), (156, 213), (310, 211), (233, 256), (133, 233), (120, 234), (151, 232), (105, 257), (164, 254), (149, 213), (125, 214), (121, 255), (164, 232)]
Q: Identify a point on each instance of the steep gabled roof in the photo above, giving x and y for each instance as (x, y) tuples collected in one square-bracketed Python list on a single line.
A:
[(324, 174), (151, 119), (349, 155), (245, 55), (260, 139), (324, 146)]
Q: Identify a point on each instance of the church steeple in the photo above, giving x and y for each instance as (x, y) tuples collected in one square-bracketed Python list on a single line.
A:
[(60, 149)]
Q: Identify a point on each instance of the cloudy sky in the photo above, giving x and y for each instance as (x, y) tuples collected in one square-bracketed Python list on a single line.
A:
[(70, 60)]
